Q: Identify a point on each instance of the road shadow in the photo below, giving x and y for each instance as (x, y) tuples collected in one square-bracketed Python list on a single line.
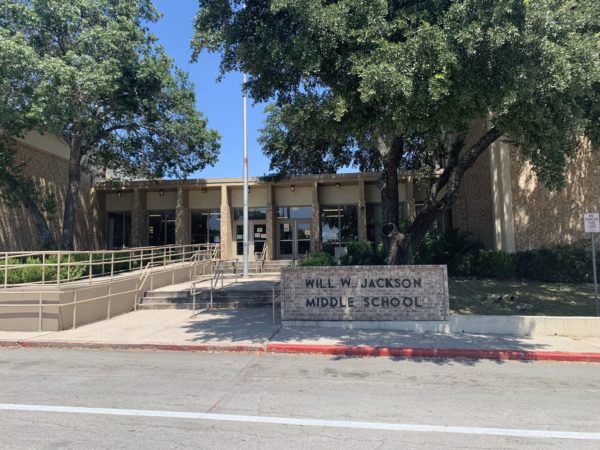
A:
[(256, 325)]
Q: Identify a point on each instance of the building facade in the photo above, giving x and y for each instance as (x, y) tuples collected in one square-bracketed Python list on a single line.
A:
[(500, 203)]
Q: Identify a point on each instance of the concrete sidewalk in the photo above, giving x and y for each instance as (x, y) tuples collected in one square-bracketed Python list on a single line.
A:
[(253, 330)]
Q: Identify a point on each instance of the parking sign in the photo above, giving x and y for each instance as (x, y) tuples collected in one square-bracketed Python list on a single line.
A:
[(591, 222)]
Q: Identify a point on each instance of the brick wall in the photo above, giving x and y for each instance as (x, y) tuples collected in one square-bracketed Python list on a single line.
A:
[(17, 230), (365, 293), (473, 210), (544, 218)]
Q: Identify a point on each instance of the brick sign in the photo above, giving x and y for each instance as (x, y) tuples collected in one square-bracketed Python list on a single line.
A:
[(365, 293)]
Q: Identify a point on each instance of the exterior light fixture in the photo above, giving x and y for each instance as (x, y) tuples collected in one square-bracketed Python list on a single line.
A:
[(204, 190), (161, 193), (292, 188), (337, 185)]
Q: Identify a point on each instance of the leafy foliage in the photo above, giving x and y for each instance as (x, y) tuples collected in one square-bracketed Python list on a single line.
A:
[(318, 259), (90, 72), (389, 85), (363, 253)]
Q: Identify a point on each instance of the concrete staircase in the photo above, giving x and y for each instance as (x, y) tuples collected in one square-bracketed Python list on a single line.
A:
[(239, 295)]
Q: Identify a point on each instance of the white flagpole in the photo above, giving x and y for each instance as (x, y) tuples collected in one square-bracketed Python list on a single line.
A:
[(245, 273)]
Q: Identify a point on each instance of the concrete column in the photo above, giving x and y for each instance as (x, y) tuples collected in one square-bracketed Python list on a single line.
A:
[(362, 210), (410, 198), (226, 231), (271, 225), (139, 219), (183, 232), (98, 203), (315, 228)]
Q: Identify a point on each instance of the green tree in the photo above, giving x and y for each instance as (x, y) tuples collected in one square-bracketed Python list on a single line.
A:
[(90, 72), (396, 84)]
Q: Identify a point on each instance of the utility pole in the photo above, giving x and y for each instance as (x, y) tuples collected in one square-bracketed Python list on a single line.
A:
[(245, 101)]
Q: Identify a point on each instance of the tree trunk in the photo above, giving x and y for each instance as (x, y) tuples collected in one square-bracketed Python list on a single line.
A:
[(68, 231), (405, 245), (390, 206), (46, 239)]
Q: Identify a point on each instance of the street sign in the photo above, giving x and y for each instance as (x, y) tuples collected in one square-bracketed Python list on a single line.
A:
[(591, 222)]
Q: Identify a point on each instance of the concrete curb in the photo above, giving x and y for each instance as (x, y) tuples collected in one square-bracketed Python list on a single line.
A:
[(140, 347), (405, 352), (340, 350)]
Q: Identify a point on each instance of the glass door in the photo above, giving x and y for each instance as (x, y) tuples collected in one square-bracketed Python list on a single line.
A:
[(294, 239), (302, 239), (256, 239), (286, 240)]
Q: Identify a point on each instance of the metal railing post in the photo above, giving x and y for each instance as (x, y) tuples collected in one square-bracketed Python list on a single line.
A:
[(58, 268), (69, 267), (109, 297), (74, 309), (90, 268), (112, 264), (40, 313), (44, 268), (5, 269), (273, 304)]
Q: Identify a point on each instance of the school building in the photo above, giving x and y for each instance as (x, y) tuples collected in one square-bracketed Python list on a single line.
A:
[(501, 203)]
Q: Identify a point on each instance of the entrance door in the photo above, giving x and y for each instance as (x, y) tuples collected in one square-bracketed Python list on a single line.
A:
[(256, 239), (294, 239)]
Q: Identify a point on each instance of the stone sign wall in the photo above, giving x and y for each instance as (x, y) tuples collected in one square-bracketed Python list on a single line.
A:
[(365, 293)]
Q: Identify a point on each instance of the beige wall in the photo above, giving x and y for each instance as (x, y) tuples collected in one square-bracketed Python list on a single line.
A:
[(205, 200), (124, 202), (48, 170), (543, 218), (474, 210), (301, 196)]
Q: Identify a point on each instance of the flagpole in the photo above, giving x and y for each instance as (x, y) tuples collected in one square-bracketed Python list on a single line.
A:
[(245, 101)]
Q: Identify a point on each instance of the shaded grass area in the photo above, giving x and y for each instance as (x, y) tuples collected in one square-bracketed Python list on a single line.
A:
[(496, 297)]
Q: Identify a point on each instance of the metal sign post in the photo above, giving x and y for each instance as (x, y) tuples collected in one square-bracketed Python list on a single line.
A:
[(245, 194), (592, 225)]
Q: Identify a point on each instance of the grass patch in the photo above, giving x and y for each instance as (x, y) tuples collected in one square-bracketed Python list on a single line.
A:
[(495, 297)]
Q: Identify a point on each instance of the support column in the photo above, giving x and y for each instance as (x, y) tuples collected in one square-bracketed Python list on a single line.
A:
[(98, 201), (271, 225), (226, 232), (362, 210), (183, 232), (315, 227), (139, 225)]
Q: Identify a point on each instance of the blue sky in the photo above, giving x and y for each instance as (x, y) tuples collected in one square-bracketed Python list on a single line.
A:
[(221, 102)]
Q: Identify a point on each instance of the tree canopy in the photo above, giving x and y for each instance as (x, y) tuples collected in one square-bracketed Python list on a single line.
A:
[(390, 84), (90, 72)]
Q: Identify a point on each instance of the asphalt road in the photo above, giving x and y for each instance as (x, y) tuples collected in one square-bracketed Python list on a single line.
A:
[(109, 399)]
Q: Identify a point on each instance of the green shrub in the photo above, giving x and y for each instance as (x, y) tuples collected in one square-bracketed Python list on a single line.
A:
[(563, 264), (453, 248), (318, 259), (494, 264), (363, 253)]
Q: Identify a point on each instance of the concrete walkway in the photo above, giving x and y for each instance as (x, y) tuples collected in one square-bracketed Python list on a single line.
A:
[(253, 330)]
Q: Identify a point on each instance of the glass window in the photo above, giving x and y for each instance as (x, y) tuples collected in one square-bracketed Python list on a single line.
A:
[(294, 212), (206, 226), (374, 222), (253, 213), (161, 227), (118, 233), (339, 225)]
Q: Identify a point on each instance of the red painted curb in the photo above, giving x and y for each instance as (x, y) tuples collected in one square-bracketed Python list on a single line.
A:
[(343, 350), (126, 346), (349, 350)]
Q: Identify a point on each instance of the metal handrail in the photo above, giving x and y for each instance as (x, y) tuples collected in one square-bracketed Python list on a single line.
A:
[(80, 265)]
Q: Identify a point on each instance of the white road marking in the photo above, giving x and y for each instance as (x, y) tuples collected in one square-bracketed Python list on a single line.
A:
[(544, 434)]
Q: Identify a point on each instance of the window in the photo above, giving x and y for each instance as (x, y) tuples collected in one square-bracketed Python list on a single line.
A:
[(339, 225), (206, 226), (294, 212), (253, 213), (161, 227), (118, 233)]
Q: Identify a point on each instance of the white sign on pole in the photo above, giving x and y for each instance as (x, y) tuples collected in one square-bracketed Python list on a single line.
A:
[(591, 222)]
